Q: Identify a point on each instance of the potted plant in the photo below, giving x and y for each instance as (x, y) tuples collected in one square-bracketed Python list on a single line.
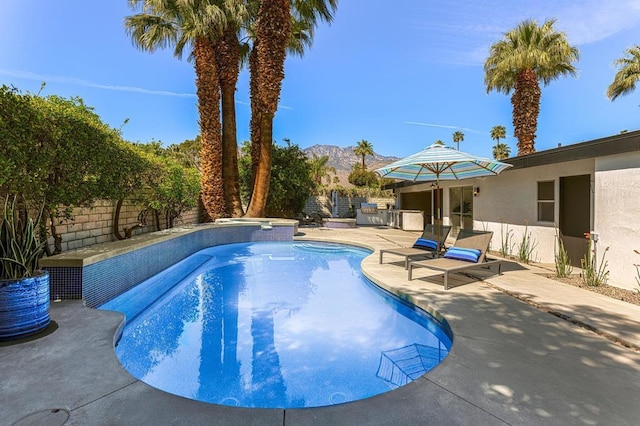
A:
[(24, 289)]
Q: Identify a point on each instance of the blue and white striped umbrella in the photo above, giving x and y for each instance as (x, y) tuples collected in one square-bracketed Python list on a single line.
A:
[(439, 162)]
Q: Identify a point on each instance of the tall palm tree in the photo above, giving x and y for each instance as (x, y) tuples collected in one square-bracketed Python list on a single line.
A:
[(164, 23), (498, 132), (501, 151), (300, 38), (628, 74), (363, 149), (458, 137), (527, 55), (273, 29), (228, 58)]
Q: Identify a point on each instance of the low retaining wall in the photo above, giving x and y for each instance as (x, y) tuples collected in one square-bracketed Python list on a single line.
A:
[(338, 223), (94, 225), (97, 274)]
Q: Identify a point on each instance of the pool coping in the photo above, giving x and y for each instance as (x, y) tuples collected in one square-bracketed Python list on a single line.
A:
[(100, 252), (99, 273)]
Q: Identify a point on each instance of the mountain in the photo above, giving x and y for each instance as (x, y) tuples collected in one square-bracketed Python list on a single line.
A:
[(343, 159)]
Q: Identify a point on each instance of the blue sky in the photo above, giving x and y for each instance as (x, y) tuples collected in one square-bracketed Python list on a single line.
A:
[(398, 74)]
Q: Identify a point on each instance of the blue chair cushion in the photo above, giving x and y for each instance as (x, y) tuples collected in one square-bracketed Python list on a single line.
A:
[(424, 244), (460, 253)]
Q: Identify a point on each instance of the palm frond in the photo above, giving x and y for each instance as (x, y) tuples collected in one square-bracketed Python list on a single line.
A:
[(628, 74), (529, 46), (150, 32)]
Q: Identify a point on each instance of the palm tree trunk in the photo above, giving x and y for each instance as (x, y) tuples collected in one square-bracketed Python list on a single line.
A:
[(208, 91), (228, 62), (255, 110), (526, 107), (273, 28), (263, 171)]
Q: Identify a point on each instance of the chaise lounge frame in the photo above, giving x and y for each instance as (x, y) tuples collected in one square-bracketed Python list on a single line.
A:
[(467, 239), (409, 253)]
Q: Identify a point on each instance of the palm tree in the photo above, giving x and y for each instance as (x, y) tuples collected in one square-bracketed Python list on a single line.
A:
[(363, 149), (439, 142), (228, 57), (275, 27), (300, 38), (272, 29), (458, 137), (501, 151), (320, 169), (164, 23), (628, 74), (497, 133), (527, 55)]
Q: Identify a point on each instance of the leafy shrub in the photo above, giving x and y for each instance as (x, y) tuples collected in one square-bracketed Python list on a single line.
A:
[(291, 180), (563, 263), (526, 247), (363, 178), (592, 274), (506, 236)]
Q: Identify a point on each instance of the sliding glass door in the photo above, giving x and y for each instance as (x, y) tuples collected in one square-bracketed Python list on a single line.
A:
[(460, 208)]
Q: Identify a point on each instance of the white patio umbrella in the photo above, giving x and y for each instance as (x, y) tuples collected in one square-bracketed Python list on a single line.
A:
[(438, 162)]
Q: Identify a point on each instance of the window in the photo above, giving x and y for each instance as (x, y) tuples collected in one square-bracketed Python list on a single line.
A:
[(546, 201)]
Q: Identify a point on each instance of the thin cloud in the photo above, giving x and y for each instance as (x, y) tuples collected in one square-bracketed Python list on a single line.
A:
[(280, 106), (590, 21), (461, 32), (27, 75), (443, 126)]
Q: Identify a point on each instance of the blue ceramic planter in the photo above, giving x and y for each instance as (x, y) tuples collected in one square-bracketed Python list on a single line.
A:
[(24, 306)]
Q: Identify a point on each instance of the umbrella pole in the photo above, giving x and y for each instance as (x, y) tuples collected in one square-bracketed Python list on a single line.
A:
[(438, 226)]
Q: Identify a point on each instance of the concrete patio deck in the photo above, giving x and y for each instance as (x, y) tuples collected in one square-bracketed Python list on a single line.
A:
[(512, 363)]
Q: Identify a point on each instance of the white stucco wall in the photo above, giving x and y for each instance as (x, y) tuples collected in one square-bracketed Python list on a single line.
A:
[(617, 215), (507, 205)]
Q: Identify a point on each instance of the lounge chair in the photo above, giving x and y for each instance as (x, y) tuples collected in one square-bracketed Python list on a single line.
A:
[(424, 246), (305, 220), (468, 252)]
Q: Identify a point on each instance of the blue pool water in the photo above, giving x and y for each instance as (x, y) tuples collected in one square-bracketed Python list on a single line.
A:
[(274, 325)]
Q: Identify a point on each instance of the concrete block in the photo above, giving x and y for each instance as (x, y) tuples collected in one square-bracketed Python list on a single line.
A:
[(72, 245), (82, 235)]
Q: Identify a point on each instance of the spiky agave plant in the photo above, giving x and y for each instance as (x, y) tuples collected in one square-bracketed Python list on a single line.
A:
[(20, 246)]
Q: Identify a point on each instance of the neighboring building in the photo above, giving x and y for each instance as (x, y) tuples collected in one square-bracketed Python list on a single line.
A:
[(590, 187)]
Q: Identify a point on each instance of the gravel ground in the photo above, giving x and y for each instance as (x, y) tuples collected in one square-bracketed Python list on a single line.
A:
[(630, 296)]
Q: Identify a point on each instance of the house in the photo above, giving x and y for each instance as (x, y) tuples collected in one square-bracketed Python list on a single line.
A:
[(587, 188)]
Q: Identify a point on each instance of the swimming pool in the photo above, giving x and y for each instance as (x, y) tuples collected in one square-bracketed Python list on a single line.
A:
[(274, 325)]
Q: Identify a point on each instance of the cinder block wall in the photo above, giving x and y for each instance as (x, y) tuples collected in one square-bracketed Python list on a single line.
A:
[(318, 204), (94, 225)]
